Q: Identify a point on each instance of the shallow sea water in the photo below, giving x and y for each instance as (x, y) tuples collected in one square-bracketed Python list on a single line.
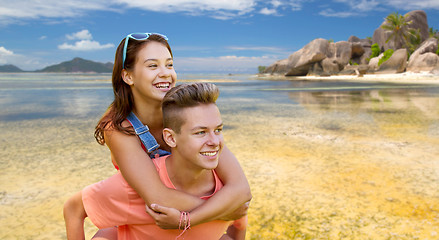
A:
[(325, 159)]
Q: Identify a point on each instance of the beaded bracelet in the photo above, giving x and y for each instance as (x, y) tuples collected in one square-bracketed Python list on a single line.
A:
[(186, 220)]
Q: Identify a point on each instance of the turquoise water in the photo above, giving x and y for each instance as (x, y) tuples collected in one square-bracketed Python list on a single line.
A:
[(26, 96)]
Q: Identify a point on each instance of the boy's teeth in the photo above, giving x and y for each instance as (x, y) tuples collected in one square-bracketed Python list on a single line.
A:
[(210, 154)]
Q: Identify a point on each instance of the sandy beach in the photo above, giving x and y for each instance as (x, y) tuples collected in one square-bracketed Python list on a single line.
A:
[(322, 165)]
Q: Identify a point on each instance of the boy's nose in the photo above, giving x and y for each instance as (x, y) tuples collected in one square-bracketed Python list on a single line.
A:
[(214, 139)]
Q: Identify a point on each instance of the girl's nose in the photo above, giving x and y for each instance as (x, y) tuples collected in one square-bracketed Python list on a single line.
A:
[(164, 72)]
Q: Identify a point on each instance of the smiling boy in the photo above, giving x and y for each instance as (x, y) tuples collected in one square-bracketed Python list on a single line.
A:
[(193, 129)]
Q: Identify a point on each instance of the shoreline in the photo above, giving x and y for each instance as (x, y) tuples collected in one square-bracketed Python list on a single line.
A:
[(406, 78)]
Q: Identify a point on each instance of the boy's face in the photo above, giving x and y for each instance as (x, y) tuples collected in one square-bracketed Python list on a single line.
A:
[(200, 140)]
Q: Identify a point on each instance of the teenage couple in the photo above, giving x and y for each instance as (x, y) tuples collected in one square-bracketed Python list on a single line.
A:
[(193, 193)]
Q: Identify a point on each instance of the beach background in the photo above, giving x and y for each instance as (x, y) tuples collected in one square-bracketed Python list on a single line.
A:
[(326, 158)]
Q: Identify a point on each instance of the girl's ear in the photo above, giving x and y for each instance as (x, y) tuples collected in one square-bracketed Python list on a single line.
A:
[(127, 78), (169, 137)]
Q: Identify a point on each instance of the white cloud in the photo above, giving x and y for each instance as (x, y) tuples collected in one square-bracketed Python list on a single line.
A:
[(220, 9), (5, 52), (361, 7), (276, 50), (267, 11), (85, 42), (22, 61), (85, 45), (341, 14), (81, 35), (36, 9), (226, 64)]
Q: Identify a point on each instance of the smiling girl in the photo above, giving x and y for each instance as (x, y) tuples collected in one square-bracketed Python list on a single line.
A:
[(143, 72)]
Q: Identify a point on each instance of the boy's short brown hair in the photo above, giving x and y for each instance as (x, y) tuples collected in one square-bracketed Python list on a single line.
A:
[(184, 96)]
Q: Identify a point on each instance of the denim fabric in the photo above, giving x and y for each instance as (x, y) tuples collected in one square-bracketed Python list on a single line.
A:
[(146, 137)]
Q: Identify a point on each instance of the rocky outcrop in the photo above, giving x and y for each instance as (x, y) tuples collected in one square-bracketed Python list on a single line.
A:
[(425, 57), (279, 67), (321, 57), (301, 61), (373, 63), (396, 63), (419, 21), (361, 49)]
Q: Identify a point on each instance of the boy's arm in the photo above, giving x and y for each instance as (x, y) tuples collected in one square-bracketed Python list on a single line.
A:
[(74, 215)]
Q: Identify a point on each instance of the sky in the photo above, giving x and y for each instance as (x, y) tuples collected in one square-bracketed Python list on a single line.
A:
[(214, 36)]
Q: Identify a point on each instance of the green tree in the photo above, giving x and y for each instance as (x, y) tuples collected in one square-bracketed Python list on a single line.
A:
[(433, 32), (414, 41), (399, 28), (386, 55), (261, 69)]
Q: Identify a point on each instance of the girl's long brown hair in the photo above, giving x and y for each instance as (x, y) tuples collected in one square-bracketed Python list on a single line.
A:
[(123, 102)]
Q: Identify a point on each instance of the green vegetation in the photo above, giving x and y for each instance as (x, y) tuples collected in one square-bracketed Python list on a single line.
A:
[(414, 41), (399, 28), (79, 65), (10, 68), (375, 51), (261, 69), (387, 54), (331, 40), (433, 32)]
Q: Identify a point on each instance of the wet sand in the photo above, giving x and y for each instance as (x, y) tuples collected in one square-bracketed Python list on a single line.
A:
[(330, 167)]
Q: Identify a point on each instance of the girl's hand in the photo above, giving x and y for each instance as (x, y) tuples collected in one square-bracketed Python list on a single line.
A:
[(165, 218)]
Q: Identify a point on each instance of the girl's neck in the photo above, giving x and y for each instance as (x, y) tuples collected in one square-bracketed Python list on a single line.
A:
[(150, 115)]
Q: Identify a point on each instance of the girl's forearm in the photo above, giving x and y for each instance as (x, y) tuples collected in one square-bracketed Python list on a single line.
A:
[(236, 191)]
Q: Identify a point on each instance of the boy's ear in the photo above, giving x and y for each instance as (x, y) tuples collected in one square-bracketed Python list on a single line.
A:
[(169, 137), (127, 78)]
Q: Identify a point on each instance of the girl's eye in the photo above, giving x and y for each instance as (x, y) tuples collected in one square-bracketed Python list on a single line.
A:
[(152, 65), (170, 65)]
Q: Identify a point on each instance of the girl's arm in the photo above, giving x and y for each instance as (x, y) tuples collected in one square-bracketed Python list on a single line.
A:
[(139, 171), (235, 193)]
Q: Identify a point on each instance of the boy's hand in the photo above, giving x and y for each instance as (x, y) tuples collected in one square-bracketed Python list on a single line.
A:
[(165, 218), (237, 213)]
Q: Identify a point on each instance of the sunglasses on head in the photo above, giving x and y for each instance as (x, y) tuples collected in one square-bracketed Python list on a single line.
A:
[(137, 36)]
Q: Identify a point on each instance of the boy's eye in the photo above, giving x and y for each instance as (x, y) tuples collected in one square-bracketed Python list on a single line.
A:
[(219, 130), (200, 133)]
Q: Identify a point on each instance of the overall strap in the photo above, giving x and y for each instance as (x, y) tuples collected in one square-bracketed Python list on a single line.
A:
[(149, 142), (143, 132)]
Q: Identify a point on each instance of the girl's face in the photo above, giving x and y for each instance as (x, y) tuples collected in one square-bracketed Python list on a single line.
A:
[(153, 73)]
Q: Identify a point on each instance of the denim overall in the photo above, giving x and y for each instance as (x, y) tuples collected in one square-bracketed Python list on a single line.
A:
[(149, 142)]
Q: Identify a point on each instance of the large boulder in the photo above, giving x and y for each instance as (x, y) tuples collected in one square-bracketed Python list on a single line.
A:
[(397, 63), (373, 63), (425, 57), (279, 67), (419, 21), (361, 49), (300, 62)]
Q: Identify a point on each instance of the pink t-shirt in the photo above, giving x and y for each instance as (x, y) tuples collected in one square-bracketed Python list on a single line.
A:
[(112, 202)]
